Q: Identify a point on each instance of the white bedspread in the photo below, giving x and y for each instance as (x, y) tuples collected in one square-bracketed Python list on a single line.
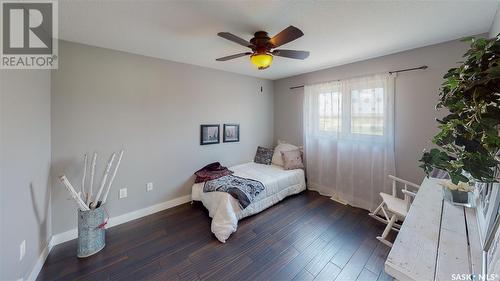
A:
[(224, 209)]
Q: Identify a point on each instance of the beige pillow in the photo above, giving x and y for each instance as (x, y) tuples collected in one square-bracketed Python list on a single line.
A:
[(281, 147), (292, 159)]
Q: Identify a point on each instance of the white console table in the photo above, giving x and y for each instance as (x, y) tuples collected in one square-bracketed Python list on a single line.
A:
[(436, 240)]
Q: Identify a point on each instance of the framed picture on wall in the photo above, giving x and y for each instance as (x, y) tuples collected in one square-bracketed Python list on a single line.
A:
[(209, 134), (231, 133)]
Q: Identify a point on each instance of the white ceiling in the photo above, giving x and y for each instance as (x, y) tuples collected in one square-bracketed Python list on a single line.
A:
[(336, 32)]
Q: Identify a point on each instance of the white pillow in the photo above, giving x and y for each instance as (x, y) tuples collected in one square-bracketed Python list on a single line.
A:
[(282, 146)]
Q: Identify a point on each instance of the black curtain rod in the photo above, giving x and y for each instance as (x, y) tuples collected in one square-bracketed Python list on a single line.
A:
[(409, 69), (390, 72)]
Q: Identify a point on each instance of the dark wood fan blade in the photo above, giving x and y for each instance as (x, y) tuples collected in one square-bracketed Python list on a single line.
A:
[(301, 55), (235, 39), (286, 35), (234, 56)]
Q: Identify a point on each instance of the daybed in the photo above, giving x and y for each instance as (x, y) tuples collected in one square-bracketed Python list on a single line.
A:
[(225, 210)]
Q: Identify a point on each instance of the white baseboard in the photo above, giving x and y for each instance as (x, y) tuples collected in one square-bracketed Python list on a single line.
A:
[(339, 201), (73, 233), (64, 236), (41, 260), (148, 211), (334, 198)]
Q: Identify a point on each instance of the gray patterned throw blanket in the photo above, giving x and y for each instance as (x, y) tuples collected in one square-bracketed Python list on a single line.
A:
[(242, 189)]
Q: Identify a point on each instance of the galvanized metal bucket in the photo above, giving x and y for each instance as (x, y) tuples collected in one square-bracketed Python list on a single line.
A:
[(459, 198), (91, 231)]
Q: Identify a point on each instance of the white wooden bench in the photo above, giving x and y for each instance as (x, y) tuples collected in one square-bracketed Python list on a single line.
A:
[(437, 240)]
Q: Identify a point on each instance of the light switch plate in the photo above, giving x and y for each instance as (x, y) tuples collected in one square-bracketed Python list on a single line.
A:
[(123, 193), (22, 250), (149, 186)]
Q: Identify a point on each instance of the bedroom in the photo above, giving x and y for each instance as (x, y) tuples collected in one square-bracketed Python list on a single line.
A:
[(142, 77)]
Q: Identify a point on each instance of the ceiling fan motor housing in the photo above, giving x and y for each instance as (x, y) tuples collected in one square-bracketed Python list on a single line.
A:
[(261, 42)]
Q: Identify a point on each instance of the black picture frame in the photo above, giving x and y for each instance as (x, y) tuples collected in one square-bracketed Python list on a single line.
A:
[(205, 130), (236, 133)]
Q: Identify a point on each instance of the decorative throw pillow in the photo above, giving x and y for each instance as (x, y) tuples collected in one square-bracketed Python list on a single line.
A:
[(281, 147), (263, 155), (292, 159)]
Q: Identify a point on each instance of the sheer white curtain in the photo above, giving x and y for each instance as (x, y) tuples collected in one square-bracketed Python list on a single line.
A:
[(349, 138)]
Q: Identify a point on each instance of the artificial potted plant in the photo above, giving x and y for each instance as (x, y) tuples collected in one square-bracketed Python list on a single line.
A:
[(468, 141)]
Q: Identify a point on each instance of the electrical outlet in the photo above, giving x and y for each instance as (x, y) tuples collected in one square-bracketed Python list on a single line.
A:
[(22, 250), (123, 193), (149, 186)]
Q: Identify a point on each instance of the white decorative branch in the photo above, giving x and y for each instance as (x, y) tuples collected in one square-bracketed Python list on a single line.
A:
[(112, 177), (103, 181), (92, 173), (73, 193), (84, 174)]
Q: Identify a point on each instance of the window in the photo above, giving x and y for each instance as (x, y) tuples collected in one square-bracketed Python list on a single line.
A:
[(367, 111), (330, 112), (366, 115), (351, 109)]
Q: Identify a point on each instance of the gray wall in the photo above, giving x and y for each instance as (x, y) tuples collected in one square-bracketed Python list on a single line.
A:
[(105, 100), (24, 169), (416, 96), (495, 26)]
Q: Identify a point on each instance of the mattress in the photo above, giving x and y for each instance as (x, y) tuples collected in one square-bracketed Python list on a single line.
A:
[(224, 209)]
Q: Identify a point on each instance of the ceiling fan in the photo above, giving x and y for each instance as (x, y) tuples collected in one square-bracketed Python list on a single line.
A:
[(261, 45)]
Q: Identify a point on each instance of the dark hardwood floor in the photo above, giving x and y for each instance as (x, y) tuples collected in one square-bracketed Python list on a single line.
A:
[(305, 237)]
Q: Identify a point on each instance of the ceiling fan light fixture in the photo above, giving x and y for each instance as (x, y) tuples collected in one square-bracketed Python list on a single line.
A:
[(262, 61), (263, 48)]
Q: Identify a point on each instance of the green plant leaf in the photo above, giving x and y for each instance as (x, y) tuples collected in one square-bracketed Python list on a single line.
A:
[(469, 134)]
